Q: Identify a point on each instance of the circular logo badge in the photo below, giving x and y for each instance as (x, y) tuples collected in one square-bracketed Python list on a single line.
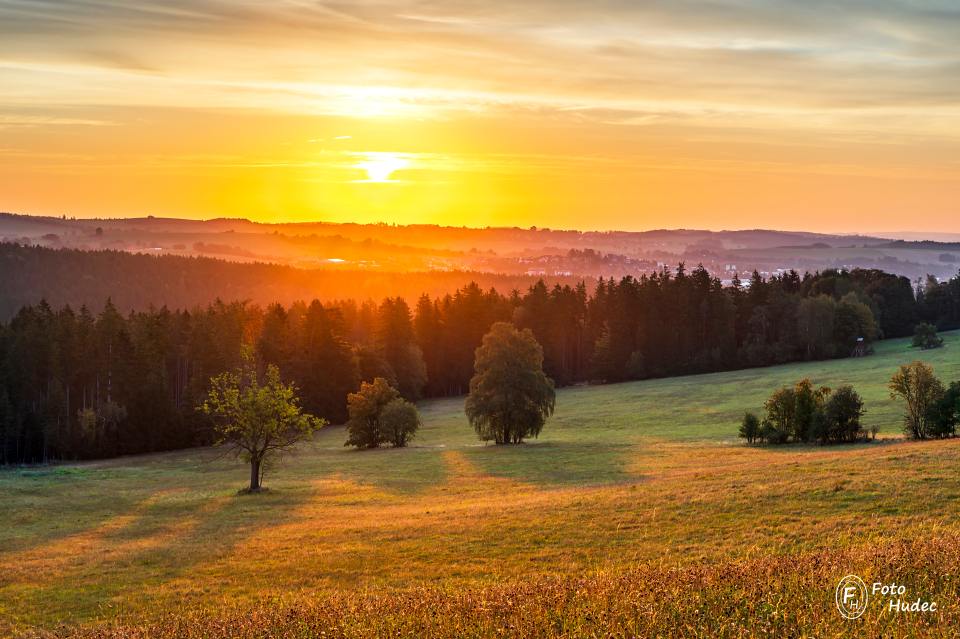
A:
[(851, 597)]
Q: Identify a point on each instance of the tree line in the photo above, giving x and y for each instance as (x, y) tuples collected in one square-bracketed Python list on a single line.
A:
[(77, 384)]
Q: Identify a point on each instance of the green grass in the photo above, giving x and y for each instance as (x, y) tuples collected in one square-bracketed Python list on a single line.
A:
[(624, 477)]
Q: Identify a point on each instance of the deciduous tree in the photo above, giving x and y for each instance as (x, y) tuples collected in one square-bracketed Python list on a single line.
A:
[(257, 418), (917, 385), (510, 396), (750, 428), (365, 428), (399, 422)]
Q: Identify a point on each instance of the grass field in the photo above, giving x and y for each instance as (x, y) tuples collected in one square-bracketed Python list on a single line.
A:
[(636, 512)]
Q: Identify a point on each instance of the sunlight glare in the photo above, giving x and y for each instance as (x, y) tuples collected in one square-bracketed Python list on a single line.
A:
[(381, 166)]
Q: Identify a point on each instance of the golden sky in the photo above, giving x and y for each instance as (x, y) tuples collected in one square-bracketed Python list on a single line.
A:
[(614, 114)]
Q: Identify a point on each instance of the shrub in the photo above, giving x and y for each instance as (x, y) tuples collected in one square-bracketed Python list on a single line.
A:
[(772, 434)]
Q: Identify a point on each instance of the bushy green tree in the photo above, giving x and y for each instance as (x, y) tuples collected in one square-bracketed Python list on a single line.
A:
[(399, 422), (781, 409), (854, 320), (809, 420), (257, 418), (750, 428), (925, 336), (510, 396), (364, 428), (917, 385), (842, 413), (944, 414)]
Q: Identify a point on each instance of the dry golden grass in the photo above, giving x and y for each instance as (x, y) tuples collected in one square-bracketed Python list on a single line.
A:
[(775, 596)]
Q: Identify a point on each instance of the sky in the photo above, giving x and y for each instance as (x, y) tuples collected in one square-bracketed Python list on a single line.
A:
[(617, 114)]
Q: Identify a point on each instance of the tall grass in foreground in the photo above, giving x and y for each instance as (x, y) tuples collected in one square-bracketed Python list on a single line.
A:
[(776, 596)]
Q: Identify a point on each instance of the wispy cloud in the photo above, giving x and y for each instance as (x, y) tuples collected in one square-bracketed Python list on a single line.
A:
[(774, 53), (614, 91)]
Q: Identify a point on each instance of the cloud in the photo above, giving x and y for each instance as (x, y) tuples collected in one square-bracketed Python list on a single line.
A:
[(812, 52)]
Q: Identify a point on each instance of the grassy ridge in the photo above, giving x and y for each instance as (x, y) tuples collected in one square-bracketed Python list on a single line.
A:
[(626, 478)]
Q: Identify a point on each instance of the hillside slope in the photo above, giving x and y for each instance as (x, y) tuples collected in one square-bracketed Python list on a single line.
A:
[(631, 480)]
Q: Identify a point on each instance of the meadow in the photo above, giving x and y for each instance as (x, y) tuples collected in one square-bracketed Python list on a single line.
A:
[(636, 512)]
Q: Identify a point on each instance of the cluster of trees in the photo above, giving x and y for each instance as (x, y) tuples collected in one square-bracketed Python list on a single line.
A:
[(932, 409), (260, 417), (74, 384), (379, 415), (805, 413), (77, 385)]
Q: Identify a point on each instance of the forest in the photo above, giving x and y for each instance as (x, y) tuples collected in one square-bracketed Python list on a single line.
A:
[(81, 383)]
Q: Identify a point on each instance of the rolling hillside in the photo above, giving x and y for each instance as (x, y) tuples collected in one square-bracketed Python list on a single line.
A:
[(637, 510)]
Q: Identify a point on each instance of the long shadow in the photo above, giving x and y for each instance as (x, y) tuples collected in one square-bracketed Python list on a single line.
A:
[(216, 534), (407, 471), (34, 500), (175, 554), (555, 464)]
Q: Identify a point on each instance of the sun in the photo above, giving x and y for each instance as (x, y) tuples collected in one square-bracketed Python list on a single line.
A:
[(381, 166)]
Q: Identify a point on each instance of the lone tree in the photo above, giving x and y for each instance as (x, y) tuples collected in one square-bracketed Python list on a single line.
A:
[(379, 415), (925, 336), (257, 419), (510, 396), (921, 390)]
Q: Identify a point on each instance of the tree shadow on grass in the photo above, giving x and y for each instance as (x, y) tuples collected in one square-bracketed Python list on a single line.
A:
[(406, 471), (167, 542), (557, 464), (34, 503)]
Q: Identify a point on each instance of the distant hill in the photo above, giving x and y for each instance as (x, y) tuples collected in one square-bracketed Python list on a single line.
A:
[(137, 281), (535, 252)]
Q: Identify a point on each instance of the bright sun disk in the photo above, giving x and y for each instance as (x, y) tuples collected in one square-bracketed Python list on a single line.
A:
[(380, 166)]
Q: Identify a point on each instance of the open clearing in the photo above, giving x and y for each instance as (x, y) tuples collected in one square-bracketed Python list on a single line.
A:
[(627, 480)]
